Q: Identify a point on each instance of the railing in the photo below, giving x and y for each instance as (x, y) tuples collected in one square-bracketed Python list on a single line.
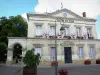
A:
[(64, 37)]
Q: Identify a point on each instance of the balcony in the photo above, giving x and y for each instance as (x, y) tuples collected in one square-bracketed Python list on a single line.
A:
[(64, 37)]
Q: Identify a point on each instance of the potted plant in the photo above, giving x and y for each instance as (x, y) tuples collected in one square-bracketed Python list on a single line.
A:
[(31, 60), (87, 62), (54, 63), (63, 72), (69, 37), (98, 61), (90, 37)]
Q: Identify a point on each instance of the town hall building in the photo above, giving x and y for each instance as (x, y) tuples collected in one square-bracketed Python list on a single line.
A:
[(73, 36)]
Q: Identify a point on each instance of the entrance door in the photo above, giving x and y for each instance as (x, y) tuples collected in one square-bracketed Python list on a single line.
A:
[(68, 54), (17, 52)]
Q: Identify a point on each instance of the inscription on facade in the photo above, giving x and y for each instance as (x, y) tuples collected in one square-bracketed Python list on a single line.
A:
[(65, 21)]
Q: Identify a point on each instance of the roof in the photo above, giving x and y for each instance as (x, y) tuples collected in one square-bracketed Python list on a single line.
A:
[(58, 11)]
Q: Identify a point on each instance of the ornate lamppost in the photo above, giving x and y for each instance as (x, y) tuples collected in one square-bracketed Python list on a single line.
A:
[(62, 30)]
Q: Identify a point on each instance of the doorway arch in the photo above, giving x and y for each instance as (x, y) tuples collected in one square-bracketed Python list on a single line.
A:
[(17, 52)]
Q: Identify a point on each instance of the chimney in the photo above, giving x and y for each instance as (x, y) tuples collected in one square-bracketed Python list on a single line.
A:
[(84, 14)]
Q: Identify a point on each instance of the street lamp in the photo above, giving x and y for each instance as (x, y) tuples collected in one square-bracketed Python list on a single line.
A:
[(62, 29)]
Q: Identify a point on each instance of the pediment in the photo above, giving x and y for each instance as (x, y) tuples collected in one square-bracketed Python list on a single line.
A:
[(65, 13)]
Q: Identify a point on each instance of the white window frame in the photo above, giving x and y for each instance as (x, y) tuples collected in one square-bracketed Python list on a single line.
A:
[(52, 31), (38, 50), (89, 32), (80, 52), (92, 52), (67, 31), (38, 30), (52, 53), (78, 31)]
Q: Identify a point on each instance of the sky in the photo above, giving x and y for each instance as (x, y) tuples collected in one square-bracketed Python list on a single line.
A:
[(17, 7)]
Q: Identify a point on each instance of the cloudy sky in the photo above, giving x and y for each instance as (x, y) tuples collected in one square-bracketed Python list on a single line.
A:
[(18, 7), (91, 7)]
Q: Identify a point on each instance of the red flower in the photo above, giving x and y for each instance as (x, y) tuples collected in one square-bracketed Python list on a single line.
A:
[(63, 70)]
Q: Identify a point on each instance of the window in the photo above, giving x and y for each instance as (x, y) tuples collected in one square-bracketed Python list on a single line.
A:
[(67, 31), (92, 53), (78, 31), (38, 50), (52, 30), (80, 52), (52, 53), (38, 30), (89, 32)]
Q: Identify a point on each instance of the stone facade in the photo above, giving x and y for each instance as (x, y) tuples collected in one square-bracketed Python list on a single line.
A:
[(46, 20)]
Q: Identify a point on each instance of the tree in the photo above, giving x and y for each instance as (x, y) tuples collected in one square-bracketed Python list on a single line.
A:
[(3, 50), (14, 26)]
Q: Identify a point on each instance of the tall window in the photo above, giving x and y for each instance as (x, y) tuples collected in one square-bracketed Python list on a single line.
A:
[(52, 30), (38, 50), (92, 52), (38, 30), (89, 32), (67, 31), (78, 31), (52, 53), (80, 52)]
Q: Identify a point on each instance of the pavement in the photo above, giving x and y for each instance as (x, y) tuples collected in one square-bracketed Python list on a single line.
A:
[(73, 69)]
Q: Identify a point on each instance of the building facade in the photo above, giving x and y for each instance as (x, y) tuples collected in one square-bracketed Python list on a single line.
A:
[(75, 44)]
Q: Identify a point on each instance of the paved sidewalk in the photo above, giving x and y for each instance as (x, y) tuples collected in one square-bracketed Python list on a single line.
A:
[(73, 69)]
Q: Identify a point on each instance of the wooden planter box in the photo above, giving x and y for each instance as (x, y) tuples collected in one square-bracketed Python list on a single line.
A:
[(63, 73), (54, 63), (87, 62), (97, 61), (30, 71)]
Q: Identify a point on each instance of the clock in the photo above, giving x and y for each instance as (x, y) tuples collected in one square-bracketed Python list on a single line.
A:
[(65, 14)]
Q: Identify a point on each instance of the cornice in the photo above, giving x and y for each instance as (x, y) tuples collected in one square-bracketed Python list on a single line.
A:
[(52, 39), (50, 15)]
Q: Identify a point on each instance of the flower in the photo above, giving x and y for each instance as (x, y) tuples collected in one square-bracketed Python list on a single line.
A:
[(54, 63), (87, 61), (98, 61), (63, 70)]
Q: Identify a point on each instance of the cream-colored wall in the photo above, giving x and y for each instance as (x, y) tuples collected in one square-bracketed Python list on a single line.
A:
[(74, 44), (46, 27)]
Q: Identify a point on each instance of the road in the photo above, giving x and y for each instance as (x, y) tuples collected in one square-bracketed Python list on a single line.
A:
[(73, 69)]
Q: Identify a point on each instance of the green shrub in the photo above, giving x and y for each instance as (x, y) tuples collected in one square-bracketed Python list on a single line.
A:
[(31, 59)]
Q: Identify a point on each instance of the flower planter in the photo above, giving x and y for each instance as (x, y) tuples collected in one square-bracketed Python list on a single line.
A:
[(63, 72), (68, 37), (30, 71), (98, 61), (79, 37), (31, 60), (54, 63), (90, 37), (52, 37), (87, 62)]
